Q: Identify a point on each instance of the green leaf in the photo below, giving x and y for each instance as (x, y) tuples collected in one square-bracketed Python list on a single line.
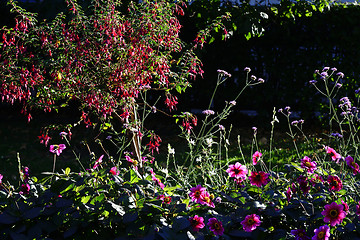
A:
[(178, 88), (85, 199), (211, 40), (248, 35)]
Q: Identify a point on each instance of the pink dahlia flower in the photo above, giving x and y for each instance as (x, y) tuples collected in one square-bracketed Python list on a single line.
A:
[(197, 223), (259, 178), (237, 170), (196, 193), (251, 222), (333, 213)]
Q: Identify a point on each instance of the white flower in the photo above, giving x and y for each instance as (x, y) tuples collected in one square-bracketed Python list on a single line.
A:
[(198, 159), (209, 142), (192, 142), (171, 150)]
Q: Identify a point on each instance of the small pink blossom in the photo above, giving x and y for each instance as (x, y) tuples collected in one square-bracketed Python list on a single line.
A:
[(44, 139), (251, 222), (114, 171), (165, 199), (98, 162), (57, 148), (156, 180), (332, 153), (216, 226), (133, 162), (256, 156), (25, 189), (333, 213)]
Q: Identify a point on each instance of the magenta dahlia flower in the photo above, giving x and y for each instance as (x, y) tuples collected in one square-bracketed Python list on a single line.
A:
[(216, 226), (308, 165), (333, 213), (196, 223), (256, 156), (251, 222), (196, 193), (352, 164), (300, 234), (259, 178), (335, 183), (333, 154), (321, 233), (237, 170)]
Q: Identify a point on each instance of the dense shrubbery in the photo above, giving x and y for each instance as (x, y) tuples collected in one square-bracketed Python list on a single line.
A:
[(128, 194)]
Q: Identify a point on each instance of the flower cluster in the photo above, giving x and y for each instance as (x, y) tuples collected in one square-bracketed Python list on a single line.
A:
[(199, 195)]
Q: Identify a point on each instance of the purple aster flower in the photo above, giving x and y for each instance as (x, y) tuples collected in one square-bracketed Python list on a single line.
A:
[(340, 74), (208, 112)]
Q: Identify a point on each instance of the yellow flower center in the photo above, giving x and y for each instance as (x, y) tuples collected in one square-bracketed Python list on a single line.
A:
[(197, 194), (308, 164), (320, 235), (216, 226)]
